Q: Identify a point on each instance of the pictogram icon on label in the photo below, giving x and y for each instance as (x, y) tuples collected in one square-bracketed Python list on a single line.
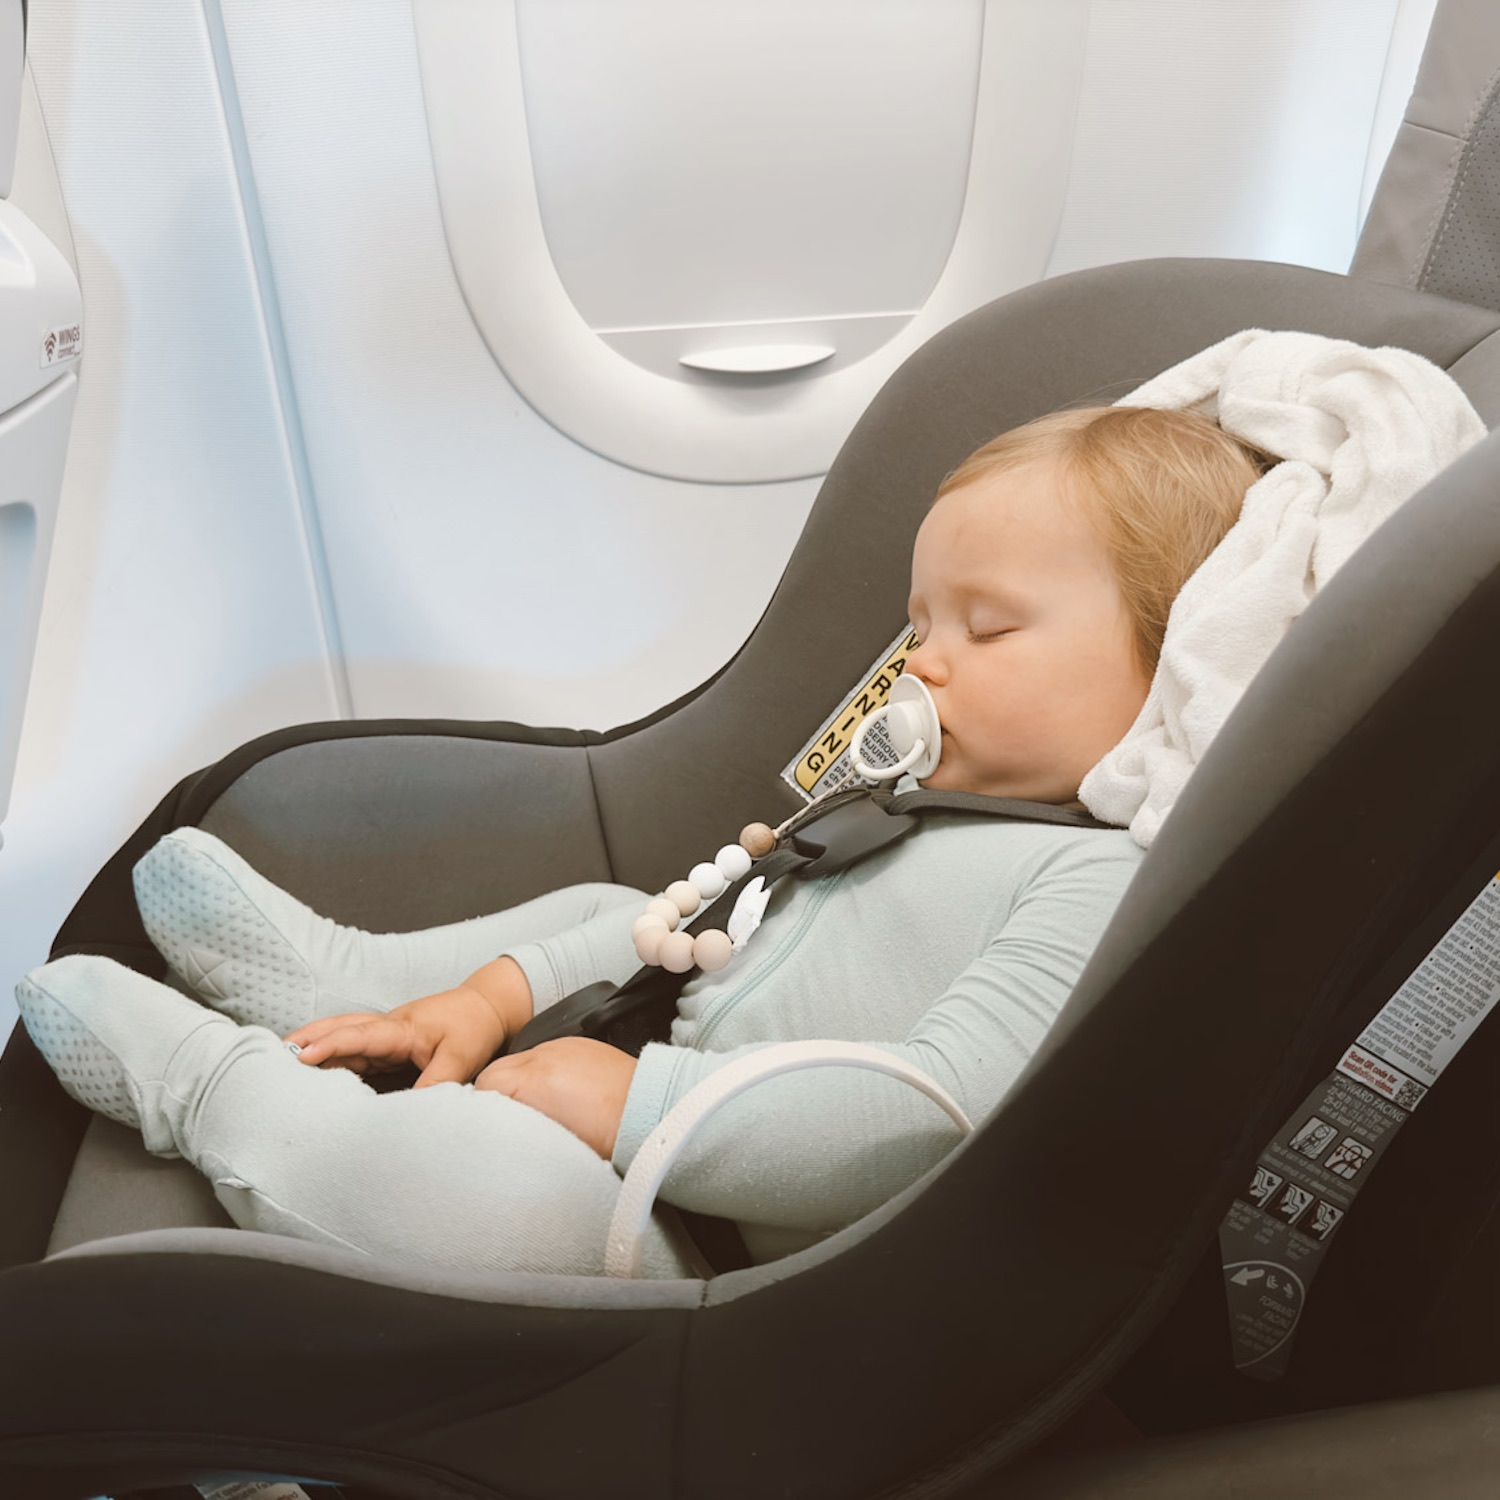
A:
[(1347, 1158), (1265, 1301), (1263, 1186)]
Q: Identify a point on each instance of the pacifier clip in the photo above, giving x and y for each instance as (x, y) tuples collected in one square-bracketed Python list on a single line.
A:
[(912, 721)]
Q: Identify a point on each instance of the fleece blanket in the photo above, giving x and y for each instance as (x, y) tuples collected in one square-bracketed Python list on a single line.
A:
[(1358, 432)]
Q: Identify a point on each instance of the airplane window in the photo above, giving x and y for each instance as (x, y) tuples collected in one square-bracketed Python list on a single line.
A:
[(698, 165)]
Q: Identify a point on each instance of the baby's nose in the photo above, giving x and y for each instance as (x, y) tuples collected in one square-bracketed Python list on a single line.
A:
[(924, 663)]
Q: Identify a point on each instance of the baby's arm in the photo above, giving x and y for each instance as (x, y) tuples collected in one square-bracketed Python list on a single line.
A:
[(577, 1081), (451, 1035), (815, 1150)]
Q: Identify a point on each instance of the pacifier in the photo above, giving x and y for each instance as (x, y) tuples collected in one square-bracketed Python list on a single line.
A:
[(912, 723)]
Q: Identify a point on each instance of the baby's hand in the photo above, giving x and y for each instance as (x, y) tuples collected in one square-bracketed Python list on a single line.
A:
[(574, 1080), (449, 1036)]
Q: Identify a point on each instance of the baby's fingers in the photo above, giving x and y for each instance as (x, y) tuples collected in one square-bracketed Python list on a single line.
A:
[(377, 1040), (325, 1025), (449, 1063)]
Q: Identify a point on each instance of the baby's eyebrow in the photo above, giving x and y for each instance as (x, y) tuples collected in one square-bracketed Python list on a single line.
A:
[(988, 591)]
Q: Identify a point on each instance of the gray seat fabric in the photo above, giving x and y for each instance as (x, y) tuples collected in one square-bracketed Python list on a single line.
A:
[(1434, 222), (118, 1187)]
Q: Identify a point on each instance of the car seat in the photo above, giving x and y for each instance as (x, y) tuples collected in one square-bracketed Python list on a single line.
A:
[(1349, 809)]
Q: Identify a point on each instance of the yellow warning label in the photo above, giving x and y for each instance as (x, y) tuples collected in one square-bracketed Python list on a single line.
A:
[(827, 751)]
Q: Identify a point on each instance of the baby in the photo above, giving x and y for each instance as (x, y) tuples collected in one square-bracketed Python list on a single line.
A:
[(1041, 582)]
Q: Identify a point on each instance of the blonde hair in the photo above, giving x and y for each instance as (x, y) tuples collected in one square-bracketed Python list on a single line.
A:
[(1162, 488)]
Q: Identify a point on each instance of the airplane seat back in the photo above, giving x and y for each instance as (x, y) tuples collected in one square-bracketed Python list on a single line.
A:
[(1433, 223), (41, 340)]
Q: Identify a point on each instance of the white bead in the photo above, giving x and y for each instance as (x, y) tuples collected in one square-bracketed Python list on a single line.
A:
[(649, 919), (666, 910), (732, 861), (708, 879), (712, 949), (676, 952), (648, 943), (686, 897)]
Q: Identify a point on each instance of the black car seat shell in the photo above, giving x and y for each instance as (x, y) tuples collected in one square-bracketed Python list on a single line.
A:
[(944, 1334), (1347, 812)]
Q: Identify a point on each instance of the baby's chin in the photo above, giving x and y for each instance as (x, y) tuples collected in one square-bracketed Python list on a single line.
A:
[(954, 778)]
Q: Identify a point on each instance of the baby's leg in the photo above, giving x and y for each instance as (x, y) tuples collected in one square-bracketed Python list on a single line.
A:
[(249, 949), (446, 1175)]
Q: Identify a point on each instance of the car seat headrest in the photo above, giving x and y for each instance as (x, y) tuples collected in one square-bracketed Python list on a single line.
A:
[(1432, 223)]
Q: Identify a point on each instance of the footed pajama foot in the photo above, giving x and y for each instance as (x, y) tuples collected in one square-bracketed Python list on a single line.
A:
[(242, 944), (111, 1035), (251, 950)]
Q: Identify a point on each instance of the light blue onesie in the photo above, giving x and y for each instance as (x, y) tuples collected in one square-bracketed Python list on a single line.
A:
[(954, 949)]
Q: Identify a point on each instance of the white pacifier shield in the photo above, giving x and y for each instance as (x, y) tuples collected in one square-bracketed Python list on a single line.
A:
[(912, 722)]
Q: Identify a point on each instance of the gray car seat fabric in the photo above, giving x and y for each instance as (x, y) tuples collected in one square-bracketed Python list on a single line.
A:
[(1434, 222), (921, 1348)]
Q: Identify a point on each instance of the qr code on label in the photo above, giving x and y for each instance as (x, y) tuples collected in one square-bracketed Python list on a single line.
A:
[(1409, 1095)]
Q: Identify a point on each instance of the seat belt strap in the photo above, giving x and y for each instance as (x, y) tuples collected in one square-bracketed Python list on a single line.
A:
[(1277, 1231)]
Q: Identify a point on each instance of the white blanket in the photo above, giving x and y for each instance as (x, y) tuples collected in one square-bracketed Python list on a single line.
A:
[(1360, 431)]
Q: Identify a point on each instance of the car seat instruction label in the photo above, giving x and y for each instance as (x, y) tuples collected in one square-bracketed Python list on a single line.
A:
[(1278, 1229), (253, 1489), (822, 764)]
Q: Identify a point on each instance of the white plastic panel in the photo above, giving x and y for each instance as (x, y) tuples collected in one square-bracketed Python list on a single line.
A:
[(673, 421), (705, 161), (12, 68), (35, 185), (1238, 128), (483, 564), (41, 315), (33, 445), (179, 617)]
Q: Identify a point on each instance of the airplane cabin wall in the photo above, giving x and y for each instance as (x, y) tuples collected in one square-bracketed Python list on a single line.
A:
[(300, 486)]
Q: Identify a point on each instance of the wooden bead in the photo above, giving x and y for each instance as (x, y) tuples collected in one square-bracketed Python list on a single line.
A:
[(685, 896), (707, 879), (732, 861), (676, 952), (666, 910), (649, 940), (712, 949), (649, 919), (757, 839)]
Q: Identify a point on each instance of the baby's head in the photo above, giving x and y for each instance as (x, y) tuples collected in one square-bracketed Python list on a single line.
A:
[(1041, 583)]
